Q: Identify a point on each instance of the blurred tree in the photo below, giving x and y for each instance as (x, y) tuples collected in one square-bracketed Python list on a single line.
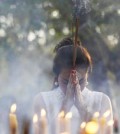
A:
[(28, 25)]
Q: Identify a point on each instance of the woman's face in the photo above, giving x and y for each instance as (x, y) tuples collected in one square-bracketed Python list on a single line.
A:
[(64, 75)]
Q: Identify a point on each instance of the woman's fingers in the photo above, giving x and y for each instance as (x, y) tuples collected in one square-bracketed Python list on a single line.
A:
[(73, 77)]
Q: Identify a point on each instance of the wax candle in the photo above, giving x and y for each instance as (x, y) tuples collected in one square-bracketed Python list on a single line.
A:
[(35, 124), (96, 115), (13, 120), (68, 117), (103, 122), (61, 123), (92, 127), (109, 126), (43, 122), (106, 114), (110, 123), (82, 128), (64, 133)]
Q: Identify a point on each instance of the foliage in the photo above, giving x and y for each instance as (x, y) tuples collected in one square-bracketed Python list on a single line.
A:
[(30, 25)]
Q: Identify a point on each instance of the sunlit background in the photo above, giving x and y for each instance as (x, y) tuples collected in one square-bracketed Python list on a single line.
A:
[(29, 31)]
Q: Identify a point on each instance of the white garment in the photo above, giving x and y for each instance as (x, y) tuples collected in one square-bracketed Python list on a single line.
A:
[(52, 102)]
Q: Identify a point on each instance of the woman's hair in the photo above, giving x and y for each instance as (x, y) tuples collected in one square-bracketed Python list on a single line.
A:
[(64, 56)]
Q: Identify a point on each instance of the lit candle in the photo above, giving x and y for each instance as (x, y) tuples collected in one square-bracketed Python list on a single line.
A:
[(13, 120), (61, 123), (68, 122), (110, 123), (82, 128), (43, 122), (109, 126), (35, 124), (106, 114), (92, 127), (103, 122), (64, 133), (96, 115)]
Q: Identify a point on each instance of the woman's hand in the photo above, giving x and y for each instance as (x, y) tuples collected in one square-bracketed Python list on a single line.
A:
[(79, 101), (73, 94), (69, 95), (77, 89)]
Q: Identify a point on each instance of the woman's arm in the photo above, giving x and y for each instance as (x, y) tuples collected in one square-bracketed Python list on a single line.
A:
[(84, 112), (77, 97), (69, 97)]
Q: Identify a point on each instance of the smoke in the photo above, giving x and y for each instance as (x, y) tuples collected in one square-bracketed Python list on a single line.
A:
[(24, 76), (81, 10)]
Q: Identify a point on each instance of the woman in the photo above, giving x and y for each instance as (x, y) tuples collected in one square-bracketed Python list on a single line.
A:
[(70, 92)]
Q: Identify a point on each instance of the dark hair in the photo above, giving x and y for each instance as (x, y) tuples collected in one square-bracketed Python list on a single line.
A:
[(64, 56)]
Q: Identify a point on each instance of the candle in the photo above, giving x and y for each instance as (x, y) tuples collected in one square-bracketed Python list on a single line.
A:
[(68, 122), (35, 124), (64, 123), (43, 122), (103, 122), (64, 133), (82, 128), (110, 123), (61, 123), (96, 115), (109, 126), (92, 127), (13, 120), (106, 114)]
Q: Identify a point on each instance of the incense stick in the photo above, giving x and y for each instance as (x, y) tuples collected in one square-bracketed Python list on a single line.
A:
[(75, 42)]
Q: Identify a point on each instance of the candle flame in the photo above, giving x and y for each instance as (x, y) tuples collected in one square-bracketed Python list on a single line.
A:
[(13, 108), (61, 114), (83, 125), (110, 123), (91, 127), (106, 114), (35, 118), (68, 115), (43, 112), (96, 115)]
